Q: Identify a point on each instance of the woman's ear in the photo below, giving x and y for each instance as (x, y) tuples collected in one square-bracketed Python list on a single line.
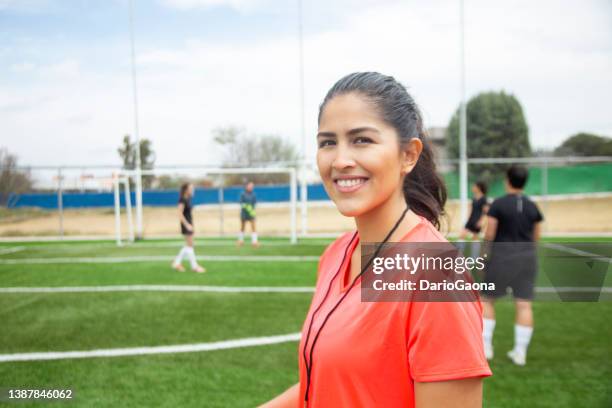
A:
[(410, 154)]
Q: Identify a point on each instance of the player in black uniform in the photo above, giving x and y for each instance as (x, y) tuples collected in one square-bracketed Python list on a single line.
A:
[(514, 220), (247, 214), (186, 220), (479, 210)]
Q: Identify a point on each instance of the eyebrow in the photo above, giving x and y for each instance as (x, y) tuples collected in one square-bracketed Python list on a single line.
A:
[(350, 132)]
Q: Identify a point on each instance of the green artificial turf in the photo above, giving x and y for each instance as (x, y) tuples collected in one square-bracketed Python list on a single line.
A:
[(568, 363)]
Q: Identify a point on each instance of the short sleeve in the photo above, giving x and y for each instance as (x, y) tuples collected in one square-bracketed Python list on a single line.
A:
[(445, 341), (494, 210), (538, 217)]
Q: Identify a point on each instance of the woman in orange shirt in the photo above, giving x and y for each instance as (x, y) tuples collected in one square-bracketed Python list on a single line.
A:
[(377, 166)]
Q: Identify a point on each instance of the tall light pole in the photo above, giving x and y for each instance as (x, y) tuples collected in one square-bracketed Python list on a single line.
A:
[(138, 183), (303, 185), (463, 170)]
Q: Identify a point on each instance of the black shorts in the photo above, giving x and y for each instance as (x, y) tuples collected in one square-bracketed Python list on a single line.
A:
[(185, 231), (472, 227), (517, 271), (246, 217)]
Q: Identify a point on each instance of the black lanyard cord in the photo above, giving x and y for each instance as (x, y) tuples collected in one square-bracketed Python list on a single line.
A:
[(323, 301), (314, 341)]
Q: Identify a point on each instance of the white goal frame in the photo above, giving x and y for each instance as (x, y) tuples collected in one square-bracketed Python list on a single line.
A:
[(119, 180), (123, 176)]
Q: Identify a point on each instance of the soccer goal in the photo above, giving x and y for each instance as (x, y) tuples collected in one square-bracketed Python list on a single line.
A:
[(217, 194), (124, 181)]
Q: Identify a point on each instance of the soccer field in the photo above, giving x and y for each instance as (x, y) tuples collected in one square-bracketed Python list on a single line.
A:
[(163, 338)]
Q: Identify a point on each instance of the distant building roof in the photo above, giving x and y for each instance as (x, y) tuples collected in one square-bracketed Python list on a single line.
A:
[(437, 134)]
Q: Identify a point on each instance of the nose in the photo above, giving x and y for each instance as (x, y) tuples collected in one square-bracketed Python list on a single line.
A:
[(343, 158)]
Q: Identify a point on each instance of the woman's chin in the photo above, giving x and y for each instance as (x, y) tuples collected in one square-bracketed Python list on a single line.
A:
[(350, 209)]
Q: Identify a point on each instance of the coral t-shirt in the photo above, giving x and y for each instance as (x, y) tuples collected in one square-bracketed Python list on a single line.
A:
[(369, 354)]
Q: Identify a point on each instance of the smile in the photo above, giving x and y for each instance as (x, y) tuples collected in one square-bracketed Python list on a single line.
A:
[(349, 185)]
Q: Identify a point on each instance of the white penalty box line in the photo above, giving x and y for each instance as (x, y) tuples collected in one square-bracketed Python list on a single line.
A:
[(238, 289), (11, 250), (578, 252), (159, 258), (160, 288), (140, 351)]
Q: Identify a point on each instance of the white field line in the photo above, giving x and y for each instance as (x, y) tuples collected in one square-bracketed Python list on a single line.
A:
[(159, 258), (173, 244), (573, 289), (236, 289), (139, 351), (578, 252), (11, 250), (160, 288)]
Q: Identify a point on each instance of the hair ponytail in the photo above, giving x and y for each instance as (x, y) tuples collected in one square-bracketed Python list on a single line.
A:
[(424, 189)]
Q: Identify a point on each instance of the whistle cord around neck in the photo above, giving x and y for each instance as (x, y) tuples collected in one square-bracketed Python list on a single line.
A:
[(314, 341)]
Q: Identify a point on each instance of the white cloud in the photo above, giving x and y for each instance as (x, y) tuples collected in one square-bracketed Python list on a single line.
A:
[(68, 68), (238, 5), (557, 64), (22, 67), (25, 6)]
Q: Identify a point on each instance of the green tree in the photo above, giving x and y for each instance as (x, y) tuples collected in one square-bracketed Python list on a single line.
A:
[(585, 144), (12, 180), (244, 150), (496, 127), (127, 152)]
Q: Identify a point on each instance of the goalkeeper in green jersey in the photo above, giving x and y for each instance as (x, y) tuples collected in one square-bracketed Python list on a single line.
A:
[(247, 214)]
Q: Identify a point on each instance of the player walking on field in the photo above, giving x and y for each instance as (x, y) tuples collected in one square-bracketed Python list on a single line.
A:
[(513, 225), (247, 214), (187, 229), (475, 222), (377, 166)]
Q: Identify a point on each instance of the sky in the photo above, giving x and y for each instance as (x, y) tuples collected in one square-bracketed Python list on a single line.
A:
[(66, 87)]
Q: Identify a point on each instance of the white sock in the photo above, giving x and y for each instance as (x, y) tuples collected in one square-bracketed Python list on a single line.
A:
[(241, 236), (488, 326), (179, 258), (254, 238), (522, 337), (192, 257)]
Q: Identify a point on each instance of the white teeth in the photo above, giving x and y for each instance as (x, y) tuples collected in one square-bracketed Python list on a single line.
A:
[(349, 182)]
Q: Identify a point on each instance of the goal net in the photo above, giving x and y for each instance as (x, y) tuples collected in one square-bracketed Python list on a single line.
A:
[(216, 206)]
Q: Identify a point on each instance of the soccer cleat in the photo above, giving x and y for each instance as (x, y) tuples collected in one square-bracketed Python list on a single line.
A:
[(517, 358), (255, 244), (199, 269), (488, 350), (239, 243), (178, 267)]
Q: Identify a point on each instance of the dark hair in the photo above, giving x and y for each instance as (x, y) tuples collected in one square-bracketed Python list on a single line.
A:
[(517, 175), (183, 190), (424, 190), (482, 186)]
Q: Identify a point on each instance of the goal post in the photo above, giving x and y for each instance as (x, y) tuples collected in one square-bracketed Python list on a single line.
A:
[(118, 181), (217, 173)]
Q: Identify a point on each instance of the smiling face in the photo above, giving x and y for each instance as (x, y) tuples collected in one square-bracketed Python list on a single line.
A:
[(359, 156)]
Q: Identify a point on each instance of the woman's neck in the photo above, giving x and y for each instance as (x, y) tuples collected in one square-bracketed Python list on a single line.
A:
[(376, 224)]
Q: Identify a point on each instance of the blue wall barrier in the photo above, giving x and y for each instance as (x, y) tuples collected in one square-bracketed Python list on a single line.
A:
[(161, 198)]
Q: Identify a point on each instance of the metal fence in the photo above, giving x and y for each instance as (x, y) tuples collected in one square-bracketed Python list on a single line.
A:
[(76, 193)]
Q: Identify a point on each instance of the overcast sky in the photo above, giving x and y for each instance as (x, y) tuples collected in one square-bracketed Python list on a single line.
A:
[(66, 91)]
